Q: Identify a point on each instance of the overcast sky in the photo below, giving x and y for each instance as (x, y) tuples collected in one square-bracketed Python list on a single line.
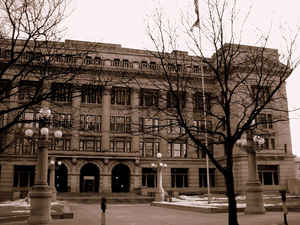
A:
[(124, 22)]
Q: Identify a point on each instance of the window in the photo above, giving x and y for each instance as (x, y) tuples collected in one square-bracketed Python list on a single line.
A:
[(260, 94), (26, 146), (23, 176), (90, 123), (91, 94), (174, 127), (149, 177), (153, 66), (116, 62), (265, 121), (125, 63), (29, 119), (120, 124), (88, 60), (149, 148), (179, 177), (97, 60), (61, 92), (144, 65), (4, 89), (174, 97), (269, 142), (90, 144), (199, 126), (149, 125), (196, 69), (60, 144), (149, 97), (177, 150), (199, 104), (28, 90), (203, 177), (268, 174), (120, 96), (62, 120), (201, 154), (120, 145)]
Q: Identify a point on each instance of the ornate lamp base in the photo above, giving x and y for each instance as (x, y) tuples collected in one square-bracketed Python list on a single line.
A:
[(40, 198), (159, 196), (254, 199)]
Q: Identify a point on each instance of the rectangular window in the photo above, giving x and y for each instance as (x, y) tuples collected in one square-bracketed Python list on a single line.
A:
[(268, 174), (149, 125), (199, 104), (61, 144), (120, 145), (91, 94), (90, 144), (120, 124), (265, 121), (23, 176), (196, 69), (61, 92), (199, 126), (149, 177), (179, 177), (120, 96), (149, 148), (176, 98), (26, 146), (203, 177), (5, 88), (260, 94), (28, 90), (201, 153), (149, 97), (61, 120), (177, 150), (90, 123)]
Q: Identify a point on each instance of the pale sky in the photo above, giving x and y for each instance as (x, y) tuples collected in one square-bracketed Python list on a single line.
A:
[(124, 22)]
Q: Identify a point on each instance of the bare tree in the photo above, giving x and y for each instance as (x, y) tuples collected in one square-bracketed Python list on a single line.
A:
[(29, 35), (242, 85)]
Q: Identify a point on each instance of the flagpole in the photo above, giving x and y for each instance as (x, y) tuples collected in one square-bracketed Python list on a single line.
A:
[(204, 100)]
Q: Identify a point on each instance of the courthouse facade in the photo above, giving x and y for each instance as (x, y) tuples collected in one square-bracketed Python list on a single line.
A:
[(100, 152)]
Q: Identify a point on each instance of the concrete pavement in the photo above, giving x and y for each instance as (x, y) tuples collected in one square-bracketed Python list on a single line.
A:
[(144, 214)]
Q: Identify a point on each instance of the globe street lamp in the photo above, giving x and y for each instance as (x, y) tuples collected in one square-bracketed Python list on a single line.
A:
[(40, 195), (254, 191), (160, 193)]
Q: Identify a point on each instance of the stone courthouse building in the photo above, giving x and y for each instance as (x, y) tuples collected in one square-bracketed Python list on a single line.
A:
[(100, 152)]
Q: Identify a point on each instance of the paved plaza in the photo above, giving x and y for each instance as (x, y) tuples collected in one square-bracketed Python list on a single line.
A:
[(144, 214)]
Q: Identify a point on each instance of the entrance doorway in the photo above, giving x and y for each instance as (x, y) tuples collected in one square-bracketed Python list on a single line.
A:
[(89, 178), (120, 178), (61, 178)]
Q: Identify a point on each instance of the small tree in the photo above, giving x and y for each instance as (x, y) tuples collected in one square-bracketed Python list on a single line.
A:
[(241, 83)]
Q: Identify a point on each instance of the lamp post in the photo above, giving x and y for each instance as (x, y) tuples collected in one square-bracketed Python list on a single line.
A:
[(254, 191), (160, 193), (40, 195)]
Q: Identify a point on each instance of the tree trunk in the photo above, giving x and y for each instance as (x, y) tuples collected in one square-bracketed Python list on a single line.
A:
[(232, 209)]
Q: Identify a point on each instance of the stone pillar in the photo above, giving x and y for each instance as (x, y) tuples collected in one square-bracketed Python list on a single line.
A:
[(52, 178), (6, 182), (254, 191), (40, 196), (76, 101), (105, 128), (106, 178), (74, 182), (135, 120)]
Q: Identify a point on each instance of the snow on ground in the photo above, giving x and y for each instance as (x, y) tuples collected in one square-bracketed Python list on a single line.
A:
[(215, 202), (24, 203)]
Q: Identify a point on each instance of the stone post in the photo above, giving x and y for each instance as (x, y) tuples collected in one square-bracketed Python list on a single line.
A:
[(52, 178)]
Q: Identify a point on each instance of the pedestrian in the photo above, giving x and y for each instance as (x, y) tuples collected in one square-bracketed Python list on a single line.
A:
[(103, 209), (284, 207)]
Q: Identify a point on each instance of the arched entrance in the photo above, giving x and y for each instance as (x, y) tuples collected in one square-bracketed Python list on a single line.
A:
[(89, 178), (120, 178), (61, 178)]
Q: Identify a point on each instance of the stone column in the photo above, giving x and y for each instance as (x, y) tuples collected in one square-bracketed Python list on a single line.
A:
[(135, 120), (106, 178), (254, 191), (52, 178), (105, 128), (41, 194)]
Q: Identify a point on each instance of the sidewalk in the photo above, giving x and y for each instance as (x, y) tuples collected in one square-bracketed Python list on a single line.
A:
[(144, 214)]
